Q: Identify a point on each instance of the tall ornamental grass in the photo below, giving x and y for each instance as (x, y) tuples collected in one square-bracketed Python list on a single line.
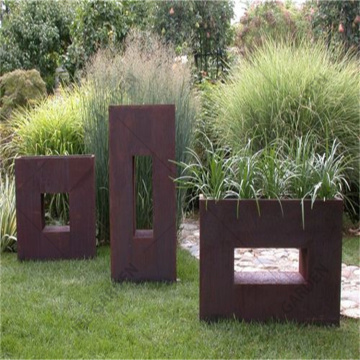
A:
[(283, 91), (7, 213), (52, 127), (145, 73)]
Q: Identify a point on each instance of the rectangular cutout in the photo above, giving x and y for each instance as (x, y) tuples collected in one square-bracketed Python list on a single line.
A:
[(267, 266), (143, 194), (55, 211)]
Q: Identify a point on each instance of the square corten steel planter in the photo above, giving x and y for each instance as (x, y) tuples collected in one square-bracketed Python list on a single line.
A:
[(39, 175), (138, 254), (311, 295)]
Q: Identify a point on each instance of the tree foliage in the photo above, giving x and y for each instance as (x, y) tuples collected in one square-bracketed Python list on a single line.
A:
[(203, 26), (99, 24), (270, 20), (34, 34), (338, 21)]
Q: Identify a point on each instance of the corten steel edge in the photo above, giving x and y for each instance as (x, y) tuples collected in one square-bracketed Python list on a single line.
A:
[(142, 255), (311, 295), (38, 175)]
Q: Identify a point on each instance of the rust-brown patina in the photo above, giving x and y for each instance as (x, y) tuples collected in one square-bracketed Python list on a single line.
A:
[(37, 175), (310, 295), (142, 255)]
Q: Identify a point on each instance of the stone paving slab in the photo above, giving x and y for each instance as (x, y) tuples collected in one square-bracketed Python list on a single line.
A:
[(275, 260)]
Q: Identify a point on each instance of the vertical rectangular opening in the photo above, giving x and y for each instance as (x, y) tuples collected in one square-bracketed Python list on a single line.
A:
[(143, 195), (55, 212)]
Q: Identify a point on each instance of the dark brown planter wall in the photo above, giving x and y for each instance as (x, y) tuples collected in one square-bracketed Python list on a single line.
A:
[(142, 255), (312, 295), (37, 175)]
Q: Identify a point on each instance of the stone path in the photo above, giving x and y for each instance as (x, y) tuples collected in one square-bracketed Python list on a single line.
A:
[(278, 260)]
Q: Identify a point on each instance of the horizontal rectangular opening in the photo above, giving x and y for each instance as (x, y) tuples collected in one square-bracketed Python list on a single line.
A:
[(268, 278), (56, 229), (267, 266), (144, 234)]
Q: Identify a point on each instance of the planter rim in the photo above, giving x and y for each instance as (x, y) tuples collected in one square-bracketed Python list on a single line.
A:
[(45, 157), (203, 198)]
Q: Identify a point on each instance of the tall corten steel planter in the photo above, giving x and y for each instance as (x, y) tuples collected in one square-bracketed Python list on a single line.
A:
[(136, 254), (38, 175), (310, 295)]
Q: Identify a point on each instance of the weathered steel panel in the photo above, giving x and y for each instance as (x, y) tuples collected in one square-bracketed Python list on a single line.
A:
[(37, 175), (311, 295), (142, 255)]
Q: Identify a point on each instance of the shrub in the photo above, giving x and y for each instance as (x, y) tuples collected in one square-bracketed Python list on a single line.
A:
[(144, 74), (7, 213), (20, 88), (284, 91), (99, 24), (35, 34)]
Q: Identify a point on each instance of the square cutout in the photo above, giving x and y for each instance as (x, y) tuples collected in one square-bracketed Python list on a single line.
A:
[(55, 210), (41, 181)]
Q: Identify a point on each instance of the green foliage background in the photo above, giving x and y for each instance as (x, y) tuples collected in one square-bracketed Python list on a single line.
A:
[(98, 24), (35, 34), (270, 20), (201, 26), (20, 88), (327, 18)]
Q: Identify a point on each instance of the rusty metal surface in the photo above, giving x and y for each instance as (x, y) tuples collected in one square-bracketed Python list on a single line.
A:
[(142, 255), (37, 175), (310, 296)]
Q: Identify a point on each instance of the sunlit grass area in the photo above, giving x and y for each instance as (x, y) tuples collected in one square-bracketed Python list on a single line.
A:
[(351, 250), (71, 309)]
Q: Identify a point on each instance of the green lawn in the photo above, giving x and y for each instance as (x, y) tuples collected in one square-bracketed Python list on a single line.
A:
[(351, 250), (71, 309)]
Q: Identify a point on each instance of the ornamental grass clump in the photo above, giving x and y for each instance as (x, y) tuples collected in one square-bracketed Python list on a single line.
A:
[(208, 175), (268, 173), (7, 213), (145, 73), (52, 127), (283, 91)]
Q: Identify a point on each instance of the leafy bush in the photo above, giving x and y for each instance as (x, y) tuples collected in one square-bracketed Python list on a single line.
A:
[(99, 24), (284, 91), (201, 26), (270, 20), (20, 88), (7, 213), (35, 34), (144, 74)]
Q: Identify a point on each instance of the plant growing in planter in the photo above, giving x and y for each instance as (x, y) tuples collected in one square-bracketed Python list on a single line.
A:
[(279, 197)]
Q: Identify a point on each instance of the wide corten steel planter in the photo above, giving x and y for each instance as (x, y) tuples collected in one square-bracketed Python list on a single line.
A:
[(39, 175), (311, 295)]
